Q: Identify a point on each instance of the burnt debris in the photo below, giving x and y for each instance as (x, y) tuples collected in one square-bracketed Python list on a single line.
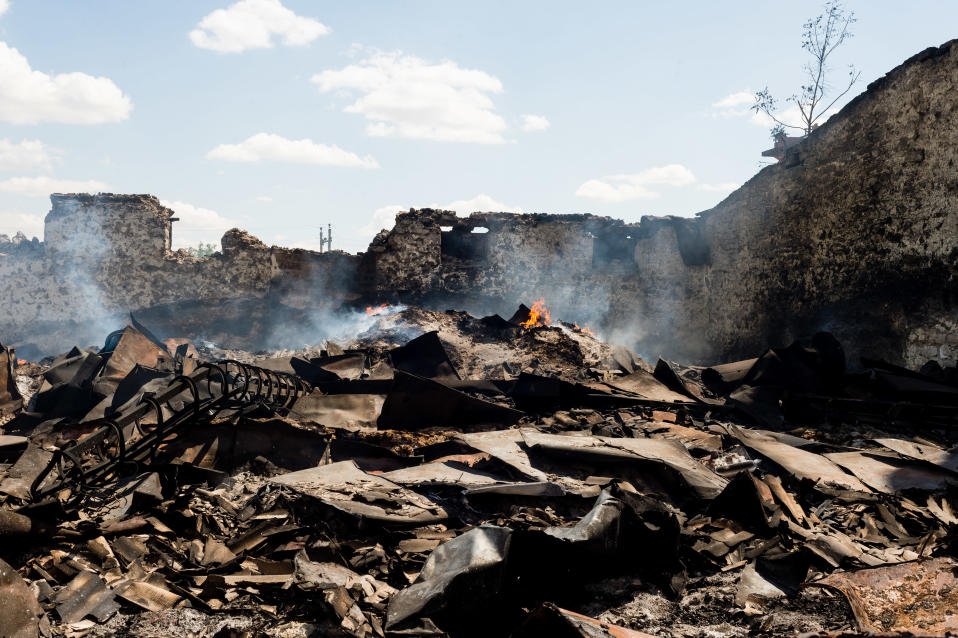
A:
[(443, 475)]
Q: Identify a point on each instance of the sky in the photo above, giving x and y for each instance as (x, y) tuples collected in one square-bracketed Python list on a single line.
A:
[(283, 116)]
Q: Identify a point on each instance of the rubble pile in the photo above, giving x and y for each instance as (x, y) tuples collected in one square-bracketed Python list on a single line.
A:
[(446, 475)]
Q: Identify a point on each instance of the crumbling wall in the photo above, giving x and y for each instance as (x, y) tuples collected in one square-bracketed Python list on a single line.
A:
[(855, 231), (105, 255)]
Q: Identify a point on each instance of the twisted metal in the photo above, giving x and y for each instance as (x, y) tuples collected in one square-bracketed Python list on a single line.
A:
[(124, 441)]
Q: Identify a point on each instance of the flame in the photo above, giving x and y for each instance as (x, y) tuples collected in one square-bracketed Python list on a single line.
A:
[(375, 310), (583, 329), (22, 362), (538, 316)]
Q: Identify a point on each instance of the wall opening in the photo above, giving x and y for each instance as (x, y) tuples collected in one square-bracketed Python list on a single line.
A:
[(464, 243), (614, 250)]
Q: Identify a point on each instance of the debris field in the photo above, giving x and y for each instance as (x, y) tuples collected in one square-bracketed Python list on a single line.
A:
[(441, 474)]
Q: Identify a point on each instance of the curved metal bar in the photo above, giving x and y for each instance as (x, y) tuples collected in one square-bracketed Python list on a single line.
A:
[(157, 409), (240, 386), (195, 391)]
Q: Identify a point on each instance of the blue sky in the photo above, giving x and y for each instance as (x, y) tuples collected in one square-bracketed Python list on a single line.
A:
[(279, 116)]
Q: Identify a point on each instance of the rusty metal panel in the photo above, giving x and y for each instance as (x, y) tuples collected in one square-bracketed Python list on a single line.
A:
[(920, 596)]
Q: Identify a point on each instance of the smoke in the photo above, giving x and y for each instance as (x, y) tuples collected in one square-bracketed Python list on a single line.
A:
[(80, 270), (342, 325)]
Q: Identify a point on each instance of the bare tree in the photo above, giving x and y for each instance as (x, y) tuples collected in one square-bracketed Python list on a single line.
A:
[(820, 37)]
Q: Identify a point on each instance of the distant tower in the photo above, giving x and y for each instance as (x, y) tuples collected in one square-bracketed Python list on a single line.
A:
[(326, 240)]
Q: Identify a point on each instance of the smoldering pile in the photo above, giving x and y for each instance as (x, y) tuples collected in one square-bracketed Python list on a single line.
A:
[(443, 474)]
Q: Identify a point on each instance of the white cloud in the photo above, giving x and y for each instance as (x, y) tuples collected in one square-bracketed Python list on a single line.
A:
[(29, 96), (735, 103), (614, 188), (25, 156), (739, 104), (197, 224), (480, 203), (725, 187), (31, 225), (251, 24), (384, 217), (624, 187), (273, 148), (264, 198), (4, 5), (404, 96), (535, 123), (44, 186)]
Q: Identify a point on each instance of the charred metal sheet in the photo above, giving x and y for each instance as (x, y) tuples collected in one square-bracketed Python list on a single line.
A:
[(226, 446), (85, 595), (19, 610), (919, 596), (448, 473), (151, 594), (922, 452), (600, 533), (350, 365), (425, 357), (767, 578), (343, 411), (535, 488), (686, 380), (415, 402), (143, 330), (347, 488), (801, 463), (647, 386), (25, 471), (723, 379), (505, 445), (704, 482), (890, 475), (460, 576), (132, 348)]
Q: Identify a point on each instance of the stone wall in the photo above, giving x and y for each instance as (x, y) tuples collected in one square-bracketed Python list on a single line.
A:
[(855, 231), (106, 255)]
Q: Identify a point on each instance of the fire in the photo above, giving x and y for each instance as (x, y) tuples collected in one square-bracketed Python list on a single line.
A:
[(22, 362), (583, 329), (538, 316), (375, 310)]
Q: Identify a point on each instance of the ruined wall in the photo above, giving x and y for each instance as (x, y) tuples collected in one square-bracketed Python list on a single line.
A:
[(855, 231), (106, 255)]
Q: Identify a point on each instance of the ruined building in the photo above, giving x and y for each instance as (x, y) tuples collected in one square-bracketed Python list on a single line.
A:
[(854, 231)]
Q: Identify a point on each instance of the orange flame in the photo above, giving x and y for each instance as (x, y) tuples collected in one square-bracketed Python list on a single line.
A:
[(375, 310), (583, 329), (22, 362), (538, 316)]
